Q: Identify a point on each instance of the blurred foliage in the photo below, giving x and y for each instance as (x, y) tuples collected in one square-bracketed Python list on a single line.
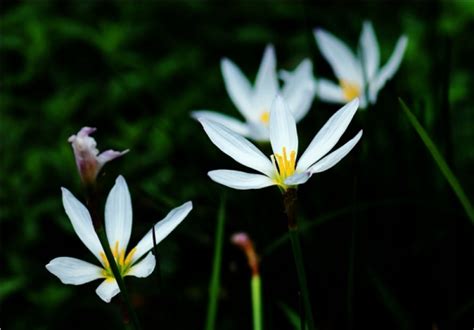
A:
[(135, 70)]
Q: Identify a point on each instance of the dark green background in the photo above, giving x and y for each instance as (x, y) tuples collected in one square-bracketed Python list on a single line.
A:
[(135, 70)]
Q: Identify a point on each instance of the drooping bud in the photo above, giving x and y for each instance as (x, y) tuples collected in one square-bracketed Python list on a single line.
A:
[(243, 241), (88, 160)]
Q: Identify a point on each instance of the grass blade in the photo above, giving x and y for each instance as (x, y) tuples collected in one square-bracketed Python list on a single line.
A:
[(443, 166), (216, 269)]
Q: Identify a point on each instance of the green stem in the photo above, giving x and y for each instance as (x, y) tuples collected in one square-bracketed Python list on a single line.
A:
[(256, 289), (289, 199), (296, 245), (92, 205), (118, 278), (216, 270)]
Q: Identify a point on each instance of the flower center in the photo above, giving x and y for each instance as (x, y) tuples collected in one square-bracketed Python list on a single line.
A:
[(265, 117), (123, 263), (350, 90), (284, 166)]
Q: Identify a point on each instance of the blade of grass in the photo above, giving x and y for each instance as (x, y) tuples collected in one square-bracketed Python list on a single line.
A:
[(330, 216), (216, 269), (443, 166), (390, 302), (292, 316)]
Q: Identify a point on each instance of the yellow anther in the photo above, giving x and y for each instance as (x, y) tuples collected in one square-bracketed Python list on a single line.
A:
[(265, 117), (128, 260), (284, 166), (350, 90), (105, 262)]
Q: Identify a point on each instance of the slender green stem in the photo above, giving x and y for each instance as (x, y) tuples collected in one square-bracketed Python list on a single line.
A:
[(296, 245), (256, 288), (216, 270), (92, 205), (289, 200), (443, 166), (119, 279)]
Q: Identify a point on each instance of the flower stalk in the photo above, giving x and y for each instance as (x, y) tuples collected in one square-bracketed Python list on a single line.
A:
[(120, 281), (289, 200), (243, 241), (91, 193)]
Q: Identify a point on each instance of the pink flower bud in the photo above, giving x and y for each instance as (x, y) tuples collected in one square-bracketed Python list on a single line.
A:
[(243, 241), (88, 160)]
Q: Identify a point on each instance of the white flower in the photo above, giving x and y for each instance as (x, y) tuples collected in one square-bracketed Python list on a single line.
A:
[(88, 160), (254, 102), (118, 227), (281, 169), (356, 73)]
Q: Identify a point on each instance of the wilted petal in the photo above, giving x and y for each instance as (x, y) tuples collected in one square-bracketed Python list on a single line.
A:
[(343, 62), (329, 91), (109, 155), (81, 222), (266, 85), (328, 135), (282, 128), (74, 271), (118, 214), (162, 229), (85, 153), (144, 267), (334, 157), (238, 87), (370, 50), (236, 146), (229, 122), (389, 69), (107, 290), (240, 180)]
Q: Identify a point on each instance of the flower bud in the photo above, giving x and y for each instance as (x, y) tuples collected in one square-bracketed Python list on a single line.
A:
[(88, 160)]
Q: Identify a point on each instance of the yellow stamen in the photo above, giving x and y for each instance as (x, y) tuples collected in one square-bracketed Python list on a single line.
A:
[(350, 90), (265, 117), (123, 263), (284, 166)]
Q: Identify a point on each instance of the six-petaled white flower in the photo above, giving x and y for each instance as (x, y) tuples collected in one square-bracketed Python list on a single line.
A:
[(254, 103), (356, 74), (88, 160), (118, 227), (281, 169)]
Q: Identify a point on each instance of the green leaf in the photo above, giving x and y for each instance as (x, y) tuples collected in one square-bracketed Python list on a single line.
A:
[(216, 269), (443, 166)]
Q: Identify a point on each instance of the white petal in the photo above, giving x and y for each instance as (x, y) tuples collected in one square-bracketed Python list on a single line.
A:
[(238, 87), (282, 128), (328, 135), (266, 84), (237, 147), (118, 215), (370, 50), (144, 267), (329, 91), (229, 122), (298, 178), (240, 180), (81, 222), (107, 290), (389, 69), (334, 157), (343, 62), (74, 271), (162, 229), (299, 89)]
